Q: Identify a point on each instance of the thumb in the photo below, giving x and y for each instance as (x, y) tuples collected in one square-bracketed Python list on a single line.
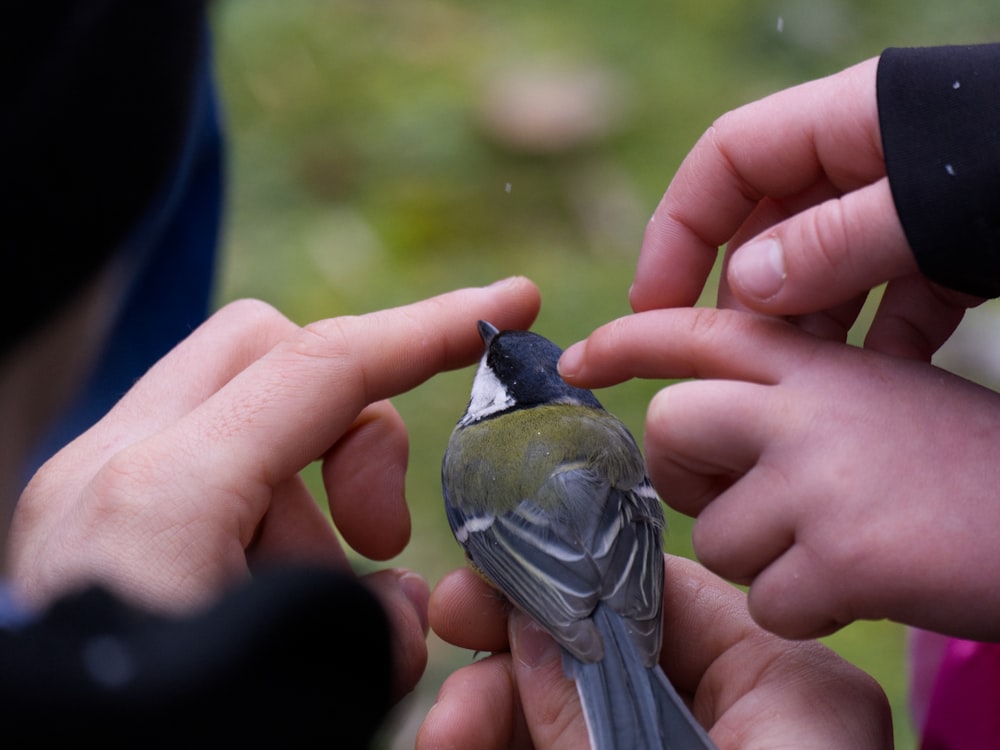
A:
[(549, 699), (823, 256)]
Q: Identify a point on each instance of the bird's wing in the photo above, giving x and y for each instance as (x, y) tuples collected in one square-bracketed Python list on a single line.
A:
[(633, 571), (578, 542)]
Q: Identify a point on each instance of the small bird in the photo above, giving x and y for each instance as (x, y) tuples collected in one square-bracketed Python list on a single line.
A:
[(547, 493)]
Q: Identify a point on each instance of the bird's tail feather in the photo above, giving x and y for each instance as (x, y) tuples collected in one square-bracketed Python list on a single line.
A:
[(627, 705)]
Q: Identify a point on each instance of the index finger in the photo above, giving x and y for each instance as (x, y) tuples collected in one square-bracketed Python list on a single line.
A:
[(776, 147), (689, 342), (288, 407)]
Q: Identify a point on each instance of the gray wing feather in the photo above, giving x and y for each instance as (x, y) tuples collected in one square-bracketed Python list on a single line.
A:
[(580, 542)]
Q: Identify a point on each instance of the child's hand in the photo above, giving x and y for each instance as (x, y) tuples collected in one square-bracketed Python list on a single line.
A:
[(841, 484), (796, 184)]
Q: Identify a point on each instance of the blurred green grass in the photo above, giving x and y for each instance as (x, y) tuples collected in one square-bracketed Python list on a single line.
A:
[(364, 174)]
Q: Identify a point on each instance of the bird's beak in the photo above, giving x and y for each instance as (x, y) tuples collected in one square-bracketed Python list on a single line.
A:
[(487, 331)]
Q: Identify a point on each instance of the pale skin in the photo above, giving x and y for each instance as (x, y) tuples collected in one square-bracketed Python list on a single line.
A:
[(193, 478), (751, 688), (803, 168), (839, 482), (236, 414)]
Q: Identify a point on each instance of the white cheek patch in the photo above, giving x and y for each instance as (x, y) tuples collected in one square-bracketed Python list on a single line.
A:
[(488, 396)]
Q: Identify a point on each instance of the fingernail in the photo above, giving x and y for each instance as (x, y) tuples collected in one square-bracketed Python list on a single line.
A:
[(504, 282), (758, 268), (531, 645), (415, 588), (571, 360)]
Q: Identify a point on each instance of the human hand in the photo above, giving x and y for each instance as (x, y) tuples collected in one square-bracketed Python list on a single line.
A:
[(193, 477), (839, 483), (734, 673), (796, 184)]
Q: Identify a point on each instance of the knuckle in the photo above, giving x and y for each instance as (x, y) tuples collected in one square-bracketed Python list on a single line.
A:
[(718, 138), (332, 343), (706, 324), (256, 325), (120, 486), (704, 320), (249, 311), (604, 339), (326, 339), (827, 233)]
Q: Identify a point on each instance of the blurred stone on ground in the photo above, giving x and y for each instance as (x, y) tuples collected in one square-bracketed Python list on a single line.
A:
[(553, 109)]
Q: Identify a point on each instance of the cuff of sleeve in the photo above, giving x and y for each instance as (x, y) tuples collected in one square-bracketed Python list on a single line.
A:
[(939, 113)]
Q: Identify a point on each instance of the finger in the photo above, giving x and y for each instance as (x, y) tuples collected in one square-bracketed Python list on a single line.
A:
[(287, 408), (747, 527), (686, 343), (703, 436), (364, 475), (915, 317), (823, 256), (295, 529), (817, 586), (403, 594), (703, 617), (224, 345), (232, 338), (713, 650), (549, 699), (833, 324), (775, 147), (738, 672), (469, 613), (477, 706), (794, 598), (767, 213), (227, 343), (293, 403), (674, 261), (191, 497)]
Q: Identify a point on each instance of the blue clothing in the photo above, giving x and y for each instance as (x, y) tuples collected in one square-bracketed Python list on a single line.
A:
[(170, 255), (97, 98), (12, 614), (110, 151)]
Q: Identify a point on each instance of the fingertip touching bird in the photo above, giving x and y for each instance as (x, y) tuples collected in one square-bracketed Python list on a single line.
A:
[(547, 493)]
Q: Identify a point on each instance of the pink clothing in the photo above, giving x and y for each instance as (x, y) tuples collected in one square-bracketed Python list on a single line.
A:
[(955, 694)]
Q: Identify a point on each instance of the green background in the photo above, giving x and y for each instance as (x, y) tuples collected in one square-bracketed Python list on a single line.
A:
[(366, 170)]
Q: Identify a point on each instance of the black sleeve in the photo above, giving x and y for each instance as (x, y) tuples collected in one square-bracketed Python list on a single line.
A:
[(939, 112), (295, 658), (96, 98)]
